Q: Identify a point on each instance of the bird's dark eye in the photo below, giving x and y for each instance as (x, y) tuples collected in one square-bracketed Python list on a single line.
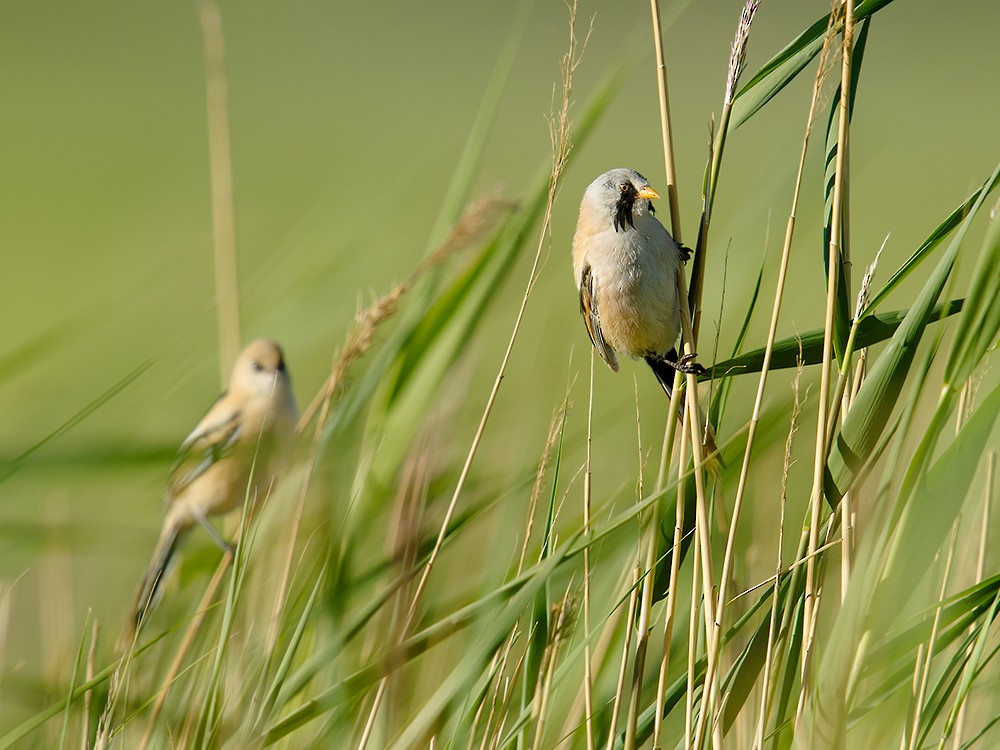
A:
[(624, 187), (258, 366)]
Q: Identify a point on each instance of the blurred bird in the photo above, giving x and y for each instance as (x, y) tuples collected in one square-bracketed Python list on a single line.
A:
[(235, 452), (626, 264)]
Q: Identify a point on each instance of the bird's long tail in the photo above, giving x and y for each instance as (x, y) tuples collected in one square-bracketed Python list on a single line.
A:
[(664, 370), (156, 570)]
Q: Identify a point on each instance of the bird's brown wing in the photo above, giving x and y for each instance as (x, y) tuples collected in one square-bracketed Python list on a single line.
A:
[(592, 318), (213, 438)]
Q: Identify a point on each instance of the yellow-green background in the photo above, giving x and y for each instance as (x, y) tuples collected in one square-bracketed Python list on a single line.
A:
[(347, 120)]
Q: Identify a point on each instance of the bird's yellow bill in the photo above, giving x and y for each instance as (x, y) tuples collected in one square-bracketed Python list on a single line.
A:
[(648, 193)]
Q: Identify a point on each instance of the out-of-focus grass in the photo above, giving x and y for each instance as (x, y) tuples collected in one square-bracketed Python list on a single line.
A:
[(346, 129)]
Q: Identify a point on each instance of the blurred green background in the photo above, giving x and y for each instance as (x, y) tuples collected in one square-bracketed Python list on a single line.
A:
[(347, 120)]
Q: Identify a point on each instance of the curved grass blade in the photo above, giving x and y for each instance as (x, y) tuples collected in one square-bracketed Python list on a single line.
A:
[(865, 421), (954, 219), (498, 627), (15, 465), (972, 664), (977, 328), (927, 518), (872, 330), (781, 69), (267, 705), (72, 683)]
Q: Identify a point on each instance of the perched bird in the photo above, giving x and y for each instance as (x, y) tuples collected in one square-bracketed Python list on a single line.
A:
[(234, 452), (625, 263)]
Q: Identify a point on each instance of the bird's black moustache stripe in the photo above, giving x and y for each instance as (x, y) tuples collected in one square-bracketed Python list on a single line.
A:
[(623, 209)]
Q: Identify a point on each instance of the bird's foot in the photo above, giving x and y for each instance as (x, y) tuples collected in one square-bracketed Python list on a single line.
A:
[(687, 365), (685, 252)]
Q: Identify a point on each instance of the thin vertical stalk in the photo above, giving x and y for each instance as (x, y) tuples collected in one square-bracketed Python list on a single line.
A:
[(220, 158), (692, 650), (668, 141), (609, 630), (811, 603), (189, 636), (768, 350), (671, 605), (772, 630), (642, 626), (935, 627), (705, 542), (549, 668), (670, 174), (737, 62), (588, 700), (626, 647), (991, 465), (88, 696)]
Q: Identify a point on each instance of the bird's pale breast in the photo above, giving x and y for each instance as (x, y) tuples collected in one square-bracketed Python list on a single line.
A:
[(636, 291)]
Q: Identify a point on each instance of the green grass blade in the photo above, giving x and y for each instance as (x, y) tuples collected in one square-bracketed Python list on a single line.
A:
[(927, 519), (417, 644), (72, 684), (286, 662), (972, 669), (74, 420), (465, 675), (872, 329), (865, 421), (954, 219), (977, 328), (781, 69)]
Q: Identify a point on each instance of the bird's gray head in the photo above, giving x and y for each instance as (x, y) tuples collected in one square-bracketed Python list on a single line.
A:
[(621, 195), (259, 368)]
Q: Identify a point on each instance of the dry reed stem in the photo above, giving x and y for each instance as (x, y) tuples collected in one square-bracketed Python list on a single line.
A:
[(839, 210), (508, 696), (552, 439), (844, 371), (737, 62), (588, 677), (842, 399), (560, 135), (563, 626), (741, 486), (671, 604), (668, 142), (506, 692), (643, 626), (692, 654), (693, 422), (600, 654), (88, 696), (772, 630), (221, 169), (626, 647), (688, 339)]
